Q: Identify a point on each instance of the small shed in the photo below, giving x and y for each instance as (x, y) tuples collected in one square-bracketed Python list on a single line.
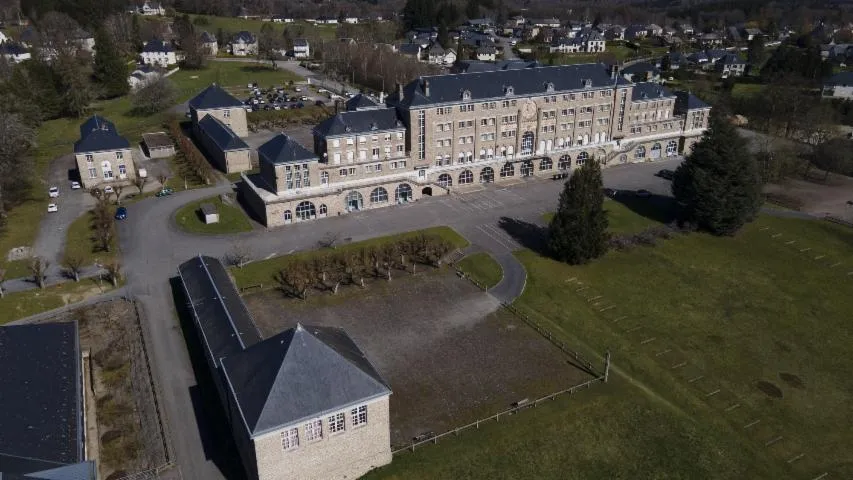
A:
[(158, 145), (209, 213)]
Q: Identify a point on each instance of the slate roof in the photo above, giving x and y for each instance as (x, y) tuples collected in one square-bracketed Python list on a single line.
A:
[(732, 59), (360, 121), (476, 66), (649, 91), (207, 37), (221, 134), (11, 48), (300, 42), (640, 67), (283, 149), (840, 79), (492, 85), (245, 37), (687, 101), (214, 97), (78, 471), (157, 46), (98, 134), (301, 373), (40, 397), (226, 325), (361, 102), (410, 49)]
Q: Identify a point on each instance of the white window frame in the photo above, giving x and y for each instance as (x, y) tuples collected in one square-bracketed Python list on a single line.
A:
[(359, 415), (290, 439), (314, 429), (337, 422)]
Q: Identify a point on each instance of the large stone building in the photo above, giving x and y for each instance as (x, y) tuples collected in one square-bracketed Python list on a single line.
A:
[(442, 132), (103, 156), (303, 404), (219, 120)]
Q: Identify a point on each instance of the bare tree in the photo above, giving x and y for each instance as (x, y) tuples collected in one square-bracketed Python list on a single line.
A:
[(154, 97), (162, 178), (104, 223), (73, 265), (16, 138), (2, 282), (239, 255), (295, 280), (117, 190), (140, 182), (114, 272), (38, 267)]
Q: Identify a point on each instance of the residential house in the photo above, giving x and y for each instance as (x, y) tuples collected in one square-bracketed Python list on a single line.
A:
[(437, 55), (3, 37), (305, 403), (546, 22), (480, 23), (698, 59), (707, 40), (839, 85), (654, 30), (301, 48), (28, 37), (486, 54), (209, 43), (615, 32), (686, 29), (14, 52), (282, 19), (44, 419), (669, 32), (326, 20), (751, 33), (588, 41), (351, 20), (518, 20), (734, 34), (221, 138), (731, 65), (141, 76), (636, 32), (103, 156), (676, 60), (529, 32), (158, 53), (152, 8), (410, 50), (244, 44), (642, 72)]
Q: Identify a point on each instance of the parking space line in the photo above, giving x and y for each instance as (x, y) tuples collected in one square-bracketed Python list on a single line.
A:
[(480, 227), (505, 236)]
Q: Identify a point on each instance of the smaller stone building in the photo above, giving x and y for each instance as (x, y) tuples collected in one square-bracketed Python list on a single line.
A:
[(103, 156), (219, 120)]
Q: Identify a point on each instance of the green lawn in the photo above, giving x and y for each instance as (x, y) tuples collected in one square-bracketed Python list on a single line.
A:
[(57, 137), (698, 321), (23, 304), (622, 218), (744, 90), (81, 241), (482, 268), (235, 24), (263, 272), (231, 218)]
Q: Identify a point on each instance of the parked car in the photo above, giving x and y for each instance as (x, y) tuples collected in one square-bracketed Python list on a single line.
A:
[(53, 192), (666, 174), (164, 192), (75, 185), (52, 208), (642, 193), (108, 189), (297, 89), (121, 213), (303, 98)]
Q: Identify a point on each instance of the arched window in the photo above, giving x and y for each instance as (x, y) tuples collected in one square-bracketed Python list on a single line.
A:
[(323, 210), (379, 195), (656, 148), (527, 143), (445, 180), (507, 170), (466, 177), (671, 148), (640, 153), (403, 193), (487, 175), (527, 168), (324, 178), (582, 158), (565, 163), (354, 201), (288, 216), (546, 164), (305, 211), (107, 168)]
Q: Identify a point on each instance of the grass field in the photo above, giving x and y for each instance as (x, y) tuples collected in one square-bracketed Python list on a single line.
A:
[(23, 304), (57, 137), (81, 242), (231, 218), (708, 335), (235, 24), (622, 219), (263, 272), (482, 268)]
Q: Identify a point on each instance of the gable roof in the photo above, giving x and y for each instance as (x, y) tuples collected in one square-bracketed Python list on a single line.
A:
[(640, 67), (475, 66), (99, 134), (225, 322), (221, 134), (41, 423), (361, 102), (157, 46), (649, 91), (840, 79), (214, 97), (283, 149), (207, 37), (687, 101), (493, 85), (301, 373), (245, 37), (12, 49), (359, 121)]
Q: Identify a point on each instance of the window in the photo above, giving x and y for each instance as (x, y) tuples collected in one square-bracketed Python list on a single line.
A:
[(89, 158), (466, 177), (527, 143), (377, 167), (565, 163), (306, 211), (359, 414), (402, 194), (671, 148), (107, 168), (640, 153), (337, 423), (375, 153), (362, 139), (226, 113), (582, 158), (378, 195), (507, 170), (336, 142), (546, 164), (342, 172), (119, 155), (337, 158), (400, 148), (314, 428), (122, 170), (445, 180), (93, 172), (350, 141), (323, 209), (324, 178)]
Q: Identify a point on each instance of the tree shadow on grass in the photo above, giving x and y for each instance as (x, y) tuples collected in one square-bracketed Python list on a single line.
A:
[(658, 208), (257, 68), (528, 235)]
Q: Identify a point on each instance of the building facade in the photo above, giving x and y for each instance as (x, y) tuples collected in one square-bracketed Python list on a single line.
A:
[(301, 48), (158, 53), (441, 133), (839, 85), (244, 44), (219, 120), (103, 156)]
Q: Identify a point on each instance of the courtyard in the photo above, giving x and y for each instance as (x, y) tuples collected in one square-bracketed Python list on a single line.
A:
[(450, 355)]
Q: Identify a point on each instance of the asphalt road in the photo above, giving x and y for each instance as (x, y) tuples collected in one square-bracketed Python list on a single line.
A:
[(153, 247)]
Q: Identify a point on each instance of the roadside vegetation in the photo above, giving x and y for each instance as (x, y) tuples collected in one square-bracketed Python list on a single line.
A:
[(482, 268), (17, 305)]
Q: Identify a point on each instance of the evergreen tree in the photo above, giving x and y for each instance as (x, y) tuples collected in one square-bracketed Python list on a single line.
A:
[(110, 71), (718, 187), (578, 231), (443, 38)]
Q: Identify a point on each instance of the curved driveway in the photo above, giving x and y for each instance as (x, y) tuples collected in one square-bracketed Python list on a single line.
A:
[(153, 248)]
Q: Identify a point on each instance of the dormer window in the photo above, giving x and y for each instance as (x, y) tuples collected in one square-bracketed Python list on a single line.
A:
[(373, 126), (549, 87), (509, 90), (347, 129), (587, 83), (466, 94)]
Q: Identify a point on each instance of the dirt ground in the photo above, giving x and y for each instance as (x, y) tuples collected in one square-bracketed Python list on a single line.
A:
[(128, 432), (819, 198), (448, 354)]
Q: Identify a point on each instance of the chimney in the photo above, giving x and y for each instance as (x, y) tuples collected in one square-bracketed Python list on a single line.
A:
[(426, 88), (381, 98), (399, 92), (614, 71)]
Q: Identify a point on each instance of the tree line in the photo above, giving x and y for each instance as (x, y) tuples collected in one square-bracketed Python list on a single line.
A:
[(188, 154), (372, 66)]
